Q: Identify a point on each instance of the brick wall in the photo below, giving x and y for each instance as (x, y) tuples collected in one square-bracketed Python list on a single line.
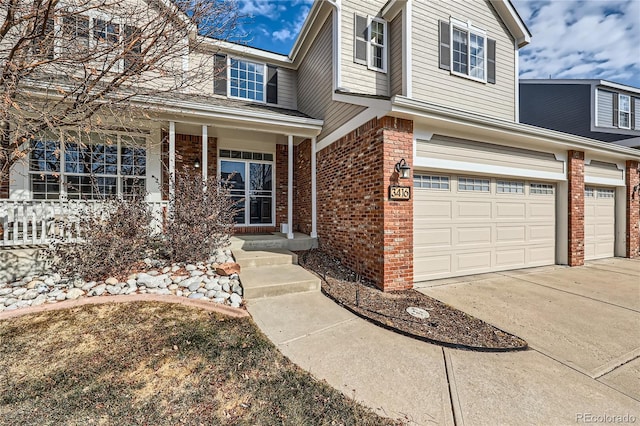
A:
[(576, 208), (302, 183), (188, 150), (281, 184), (356, 221), (633, 210)]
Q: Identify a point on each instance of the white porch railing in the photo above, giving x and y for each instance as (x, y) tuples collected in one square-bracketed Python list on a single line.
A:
[(36, 222)]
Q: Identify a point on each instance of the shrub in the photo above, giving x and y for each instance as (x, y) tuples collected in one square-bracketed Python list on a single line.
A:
[(112, 241), (200, 219)]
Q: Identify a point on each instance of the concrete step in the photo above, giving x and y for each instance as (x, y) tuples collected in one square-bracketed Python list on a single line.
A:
[(255, 258), (269, 281), (271, 241)]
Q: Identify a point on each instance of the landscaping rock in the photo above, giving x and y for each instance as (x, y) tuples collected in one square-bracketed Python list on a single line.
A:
[(190, 267), (111, 281), (194, 286), (10, 301), (30, 294), (235, 299), (228, 269), (196, 296), (5, 291), (74, 293), (39, 300), (35, 283), (196, 273), (114, 290), (99, 290), (19, 291)]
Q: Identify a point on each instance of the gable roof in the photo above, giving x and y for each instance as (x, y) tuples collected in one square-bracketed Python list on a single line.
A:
[(584, 81), (511, 18)]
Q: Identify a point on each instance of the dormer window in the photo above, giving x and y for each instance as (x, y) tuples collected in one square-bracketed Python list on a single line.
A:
[(370, 42), (246, 80), (624, 111), (466, 51)]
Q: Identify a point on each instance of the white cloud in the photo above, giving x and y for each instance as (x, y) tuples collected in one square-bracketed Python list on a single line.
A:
[(259, 8), (290, 30), (582, 39), (282, 35)]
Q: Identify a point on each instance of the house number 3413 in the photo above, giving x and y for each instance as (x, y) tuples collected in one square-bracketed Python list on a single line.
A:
[(399, 193)]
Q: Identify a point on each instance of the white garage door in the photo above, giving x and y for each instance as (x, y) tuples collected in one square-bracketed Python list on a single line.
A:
[(468, 225), (599, 222)]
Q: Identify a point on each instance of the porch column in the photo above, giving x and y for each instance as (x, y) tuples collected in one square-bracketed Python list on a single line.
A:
[(205, 146), (314, 233), (290, 189), (172, 158)]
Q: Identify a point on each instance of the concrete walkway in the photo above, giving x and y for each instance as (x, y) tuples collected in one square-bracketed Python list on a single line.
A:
[(426, 384)]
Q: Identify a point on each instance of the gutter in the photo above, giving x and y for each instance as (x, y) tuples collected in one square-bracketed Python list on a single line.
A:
[(403, 105)]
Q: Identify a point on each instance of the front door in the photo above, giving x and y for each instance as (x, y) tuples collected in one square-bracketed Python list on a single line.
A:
[(251, 184)]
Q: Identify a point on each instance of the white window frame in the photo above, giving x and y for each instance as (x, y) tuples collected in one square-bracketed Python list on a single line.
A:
[(431, 179), (371, 44), (539, 188), (621, 112), (506, 186), (264, 79), (470, 29), (475, 182)]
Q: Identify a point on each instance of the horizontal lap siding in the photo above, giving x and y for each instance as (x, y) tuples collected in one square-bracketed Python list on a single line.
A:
[(315, 75), (287, 82), (395, 56), (599, 169), (438, 86), (605, 108), (337, 114), (358, 77)]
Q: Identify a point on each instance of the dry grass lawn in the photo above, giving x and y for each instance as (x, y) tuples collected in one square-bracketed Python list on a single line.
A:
[(156, 364)]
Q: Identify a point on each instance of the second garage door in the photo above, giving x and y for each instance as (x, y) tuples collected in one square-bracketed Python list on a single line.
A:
[(467, 225), (599, 222)]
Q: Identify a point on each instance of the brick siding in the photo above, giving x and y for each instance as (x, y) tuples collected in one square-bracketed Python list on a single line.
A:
[(633, 210), (576, 208), (302, 182), (281, 184), (356, 221)]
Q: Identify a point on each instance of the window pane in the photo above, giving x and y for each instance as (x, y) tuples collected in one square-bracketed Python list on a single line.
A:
[(476, 56), (247, 80), (460, 51), (45, 187), (45, 156), (261, 177)]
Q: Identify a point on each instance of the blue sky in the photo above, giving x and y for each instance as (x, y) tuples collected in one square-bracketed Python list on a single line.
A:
[(571, 38)]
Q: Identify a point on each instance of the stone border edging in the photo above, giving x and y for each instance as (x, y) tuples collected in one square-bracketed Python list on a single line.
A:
[(100, 300), (422, 338)]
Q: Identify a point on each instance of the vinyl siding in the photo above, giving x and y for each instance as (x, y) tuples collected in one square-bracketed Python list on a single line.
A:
[(357, 77), (438, 86), (562, 107), (448, 148), (395, 55), (337, 114), (636, 120), (287, 82), (315, 75), (605, 108)]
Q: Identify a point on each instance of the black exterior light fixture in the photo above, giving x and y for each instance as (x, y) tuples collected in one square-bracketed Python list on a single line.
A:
[(196, 164), (403, 169)]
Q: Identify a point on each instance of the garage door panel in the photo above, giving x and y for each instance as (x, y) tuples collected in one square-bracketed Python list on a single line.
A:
[(512, 257), (511, 234), (538, 233), (473, 210), (474, 261), (487, 231), (513, 210), (473, 235)]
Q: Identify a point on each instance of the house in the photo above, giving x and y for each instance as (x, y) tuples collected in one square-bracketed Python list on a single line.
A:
[(596, 109), (391, 134)]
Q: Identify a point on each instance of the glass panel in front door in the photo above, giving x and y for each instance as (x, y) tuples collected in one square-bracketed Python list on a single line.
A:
[(260, 193), (234, 172)]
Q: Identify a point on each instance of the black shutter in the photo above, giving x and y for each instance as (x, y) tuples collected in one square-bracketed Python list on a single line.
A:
[(272, 84), (616, 115), (360, 38), (445, 46), (632, 116), (491, 61), (220, 74)]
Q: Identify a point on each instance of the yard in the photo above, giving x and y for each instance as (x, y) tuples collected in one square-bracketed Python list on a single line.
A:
[(160, 364)]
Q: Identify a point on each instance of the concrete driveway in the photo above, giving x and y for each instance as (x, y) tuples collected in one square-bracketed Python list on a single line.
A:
[(583, 365), (586, 318)]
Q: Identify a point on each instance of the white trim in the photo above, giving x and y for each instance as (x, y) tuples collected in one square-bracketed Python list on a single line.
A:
[(205, 152), (365, 101), (516, 87), (172, 158), (349, 126), (603, 181), (337, 43), (469, 168), (290, 188), (314, 200), (594, 119), (620, 112), (407, 50)]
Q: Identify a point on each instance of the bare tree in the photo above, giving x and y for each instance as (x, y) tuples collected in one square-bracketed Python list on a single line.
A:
[(86, 64)]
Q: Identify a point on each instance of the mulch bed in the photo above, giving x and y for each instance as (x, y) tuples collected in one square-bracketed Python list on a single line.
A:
[(446, 325)]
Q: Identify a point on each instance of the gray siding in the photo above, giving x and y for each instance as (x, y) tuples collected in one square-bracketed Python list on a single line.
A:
[(636, 119), (605, 108), (337, 114), (562, 107), (315, 75), (395, 55), (435, 85), (287, 82)]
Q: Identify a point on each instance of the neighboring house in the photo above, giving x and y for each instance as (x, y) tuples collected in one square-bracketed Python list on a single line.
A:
[(317, 138), (595, 109)]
